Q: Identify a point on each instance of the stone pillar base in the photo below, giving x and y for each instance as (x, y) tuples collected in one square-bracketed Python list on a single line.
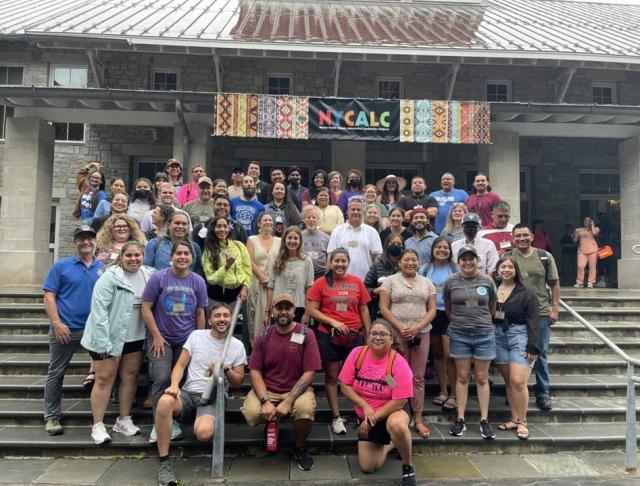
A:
[(24, 267), (629, 273)]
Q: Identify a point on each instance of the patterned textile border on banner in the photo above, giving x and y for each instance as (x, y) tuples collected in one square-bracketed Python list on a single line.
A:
[(288, 118)]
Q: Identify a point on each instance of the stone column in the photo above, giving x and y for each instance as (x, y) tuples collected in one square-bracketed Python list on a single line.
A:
[(501, 161), (198, 151), (27, 175), (629, 263), (347, 155)]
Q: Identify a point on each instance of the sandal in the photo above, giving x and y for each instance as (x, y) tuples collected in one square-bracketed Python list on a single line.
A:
[(450, 403), (89, 380), (422, 430), (440, 399), (523, 432), (509, 425)]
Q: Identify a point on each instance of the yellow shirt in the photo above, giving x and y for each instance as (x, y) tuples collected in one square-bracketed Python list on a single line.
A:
[(331, 218)]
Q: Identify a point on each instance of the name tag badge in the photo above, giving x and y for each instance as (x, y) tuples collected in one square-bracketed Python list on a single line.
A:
[(499, 315), (279, 220), (352, 244), (341, 307), (390, 381), (178, 307), (505, 245), (438, 290), (297, 338), (113, 256)]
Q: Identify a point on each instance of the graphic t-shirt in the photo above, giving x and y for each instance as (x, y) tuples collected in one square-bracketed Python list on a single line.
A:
[(204, 350), (85, 203), (342, 301), (246, 212), (445, 201), (371, 383), (175, 301), (315, 245)]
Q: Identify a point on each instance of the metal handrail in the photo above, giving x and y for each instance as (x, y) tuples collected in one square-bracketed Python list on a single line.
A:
[(632, 380), (217, 379)]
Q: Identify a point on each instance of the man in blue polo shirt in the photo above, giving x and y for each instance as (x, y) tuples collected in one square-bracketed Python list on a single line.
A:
[(67, 301)]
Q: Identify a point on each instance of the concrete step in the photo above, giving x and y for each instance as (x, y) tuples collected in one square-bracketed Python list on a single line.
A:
[(22, 310), (613, 330), (244, 440), (603, 314), (33, 326)]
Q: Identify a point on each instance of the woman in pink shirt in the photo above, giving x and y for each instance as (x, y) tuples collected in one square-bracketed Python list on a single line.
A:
[(587, 251), (189, 192), (379, 381)]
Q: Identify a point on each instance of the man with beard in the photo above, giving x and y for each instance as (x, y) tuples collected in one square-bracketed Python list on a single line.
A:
[(419, 199), (500, 230), (283, 364), (246, 208), (423, 237), (201, 209), (295, 188), (354, 188), (487, 253), (261, 187), (221, 207), (482, 200)]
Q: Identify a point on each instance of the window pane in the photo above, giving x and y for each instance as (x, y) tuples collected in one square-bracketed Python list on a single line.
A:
[(171, 81), (60, 131), (586, 183), (62, 77), (3, 75), (14, 75), (76, 131), (601, 184), (614, 184), (278, 85), (78, 78)]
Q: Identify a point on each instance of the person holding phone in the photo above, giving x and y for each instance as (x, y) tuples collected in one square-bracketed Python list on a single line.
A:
[(587, 252), (408, 302)]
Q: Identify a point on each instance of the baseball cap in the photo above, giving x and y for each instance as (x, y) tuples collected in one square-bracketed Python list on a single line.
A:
[(467, 249), (471, 218), (205, 179), (174, 162), (278, 299), (83, 229)]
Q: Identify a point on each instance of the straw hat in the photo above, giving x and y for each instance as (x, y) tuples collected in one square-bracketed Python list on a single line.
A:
[(402, 182)]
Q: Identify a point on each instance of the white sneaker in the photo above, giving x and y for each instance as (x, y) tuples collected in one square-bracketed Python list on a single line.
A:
[(578, 286), (125, 426), (99, 434), (337, 425)]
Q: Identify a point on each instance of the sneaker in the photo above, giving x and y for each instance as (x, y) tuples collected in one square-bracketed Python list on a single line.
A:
[(458, 427), (544, 403), (125, 426), (337, 425), (166, 476), (176, 433), (589, 285), (153, 436), (408, 476), (53, 427), (99, 434), (578, 286), (486, 431), (303, 459)]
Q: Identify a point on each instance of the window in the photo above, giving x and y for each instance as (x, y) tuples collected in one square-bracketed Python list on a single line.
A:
[(9, 75), (604, 94), (69, 77), (498, 91), (599, 183), (148, 167), (389, 88), (279, 84), (165, 80)]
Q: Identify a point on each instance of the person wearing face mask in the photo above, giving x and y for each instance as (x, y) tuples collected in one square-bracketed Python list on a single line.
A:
[(354, 188), (296, 189), (423, 237), (142, 199), (381, 269), (486, 250)]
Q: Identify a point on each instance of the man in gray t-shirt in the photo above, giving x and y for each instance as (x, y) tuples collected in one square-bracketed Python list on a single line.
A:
[(314, 241)]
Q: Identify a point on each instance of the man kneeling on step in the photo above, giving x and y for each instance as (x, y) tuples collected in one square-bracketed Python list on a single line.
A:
[(283, 364), (199, 353)]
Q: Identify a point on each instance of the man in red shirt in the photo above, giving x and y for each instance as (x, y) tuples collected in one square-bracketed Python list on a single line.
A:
[(283, 364), (500, 230), (482, 200)]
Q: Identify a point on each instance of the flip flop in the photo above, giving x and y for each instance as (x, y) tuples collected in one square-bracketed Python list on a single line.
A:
[(440, 399), (509, 425), (422, 430), (451, 403), (89, 380), (523, 432)]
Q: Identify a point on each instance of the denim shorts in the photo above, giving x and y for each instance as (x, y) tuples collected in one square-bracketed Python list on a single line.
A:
[(511, 345), (466, 345)]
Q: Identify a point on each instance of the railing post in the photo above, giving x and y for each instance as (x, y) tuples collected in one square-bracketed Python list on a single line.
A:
[(630, 433), (217, 455)]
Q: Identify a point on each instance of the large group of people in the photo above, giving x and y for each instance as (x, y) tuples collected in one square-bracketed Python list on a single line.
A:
[(362, 281)]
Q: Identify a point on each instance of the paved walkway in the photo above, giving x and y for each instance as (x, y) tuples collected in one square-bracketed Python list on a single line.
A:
[(580, 468)]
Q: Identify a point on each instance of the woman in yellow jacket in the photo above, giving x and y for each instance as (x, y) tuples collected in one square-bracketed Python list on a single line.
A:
[(226, 264)]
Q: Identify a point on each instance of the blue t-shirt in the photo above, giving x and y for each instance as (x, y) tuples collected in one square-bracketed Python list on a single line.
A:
[(445, 201), (246, 212), (175, 301), (422, 247), (72, 282), (157, 254), (438, 275), (85, 204)]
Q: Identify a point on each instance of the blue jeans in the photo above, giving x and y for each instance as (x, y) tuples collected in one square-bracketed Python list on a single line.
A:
[(541, 366), (511, 345), (477, 345)]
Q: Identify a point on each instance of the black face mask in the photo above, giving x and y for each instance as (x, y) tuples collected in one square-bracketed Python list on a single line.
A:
[(394, 250), (470, 230), (354, 182), (142, 193), (250, 192)]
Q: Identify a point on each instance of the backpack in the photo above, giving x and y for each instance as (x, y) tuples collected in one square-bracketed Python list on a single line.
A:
[(390, 360)]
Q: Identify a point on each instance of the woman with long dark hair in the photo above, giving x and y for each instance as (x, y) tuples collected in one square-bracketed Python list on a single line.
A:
[(90, 181), (391, 188), (157, 253), (383, 267), (319, 179), (395, 226), (282, 208)]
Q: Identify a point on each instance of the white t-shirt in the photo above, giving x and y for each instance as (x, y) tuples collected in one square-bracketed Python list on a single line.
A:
[(136, 330), (204, 349), (360, 242)]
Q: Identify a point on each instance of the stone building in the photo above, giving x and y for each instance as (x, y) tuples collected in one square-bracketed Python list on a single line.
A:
[(131, 84)]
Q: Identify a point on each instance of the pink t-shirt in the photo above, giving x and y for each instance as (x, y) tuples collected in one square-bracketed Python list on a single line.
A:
[(482, 205), (371, 384)]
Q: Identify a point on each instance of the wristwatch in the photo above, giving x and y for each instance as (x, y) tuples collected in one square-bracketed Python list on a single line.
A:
[(264, 400)]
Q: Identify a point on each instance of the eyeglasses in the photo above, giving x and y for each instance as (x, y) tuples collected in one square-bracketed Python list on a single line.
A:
[(381, 335), (119, 226)]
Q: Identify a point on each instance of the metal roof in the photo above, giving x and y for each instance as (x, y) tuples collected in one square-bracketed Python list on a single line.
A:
[(557, 29)]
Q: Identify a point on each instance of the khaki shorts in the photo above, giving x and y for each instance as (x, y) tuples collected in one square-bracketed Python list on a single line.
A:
[(303, 408)]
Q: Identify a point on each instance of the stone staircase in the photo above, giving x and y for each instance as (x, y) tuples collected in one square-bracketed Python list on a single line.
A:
[(588, 389)]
